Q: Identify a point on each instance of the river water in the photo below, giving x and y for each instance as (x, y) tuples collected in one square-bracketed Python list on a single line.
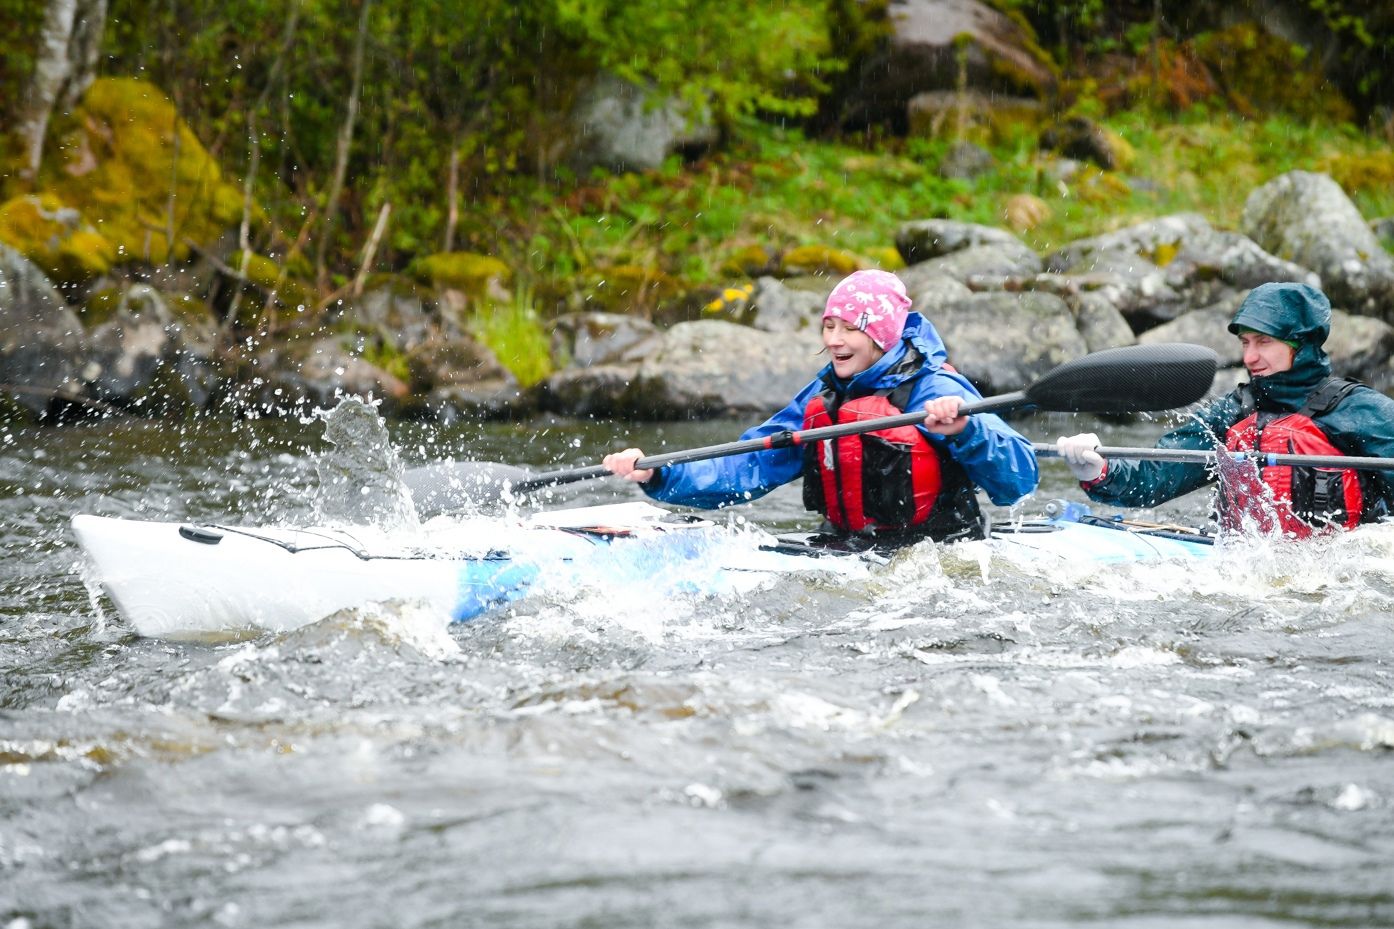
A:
[(1141, 746)]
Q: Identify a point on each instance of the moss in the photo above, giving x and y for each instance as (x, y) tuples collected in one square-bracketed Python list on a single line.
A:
[(100, 307), (55, 238), (887, 257), (750, 260), (267, 275), (135, 172), (466, 271), (820, 259), (1360, 171)]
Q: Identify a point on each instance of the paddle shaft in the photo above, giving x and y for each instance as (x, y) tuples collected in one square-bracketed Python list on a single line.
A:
[(1201, 456), (783, 439)]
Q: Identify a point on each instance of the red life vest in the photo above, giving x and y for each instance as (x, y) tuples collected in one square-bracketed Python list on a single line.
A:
[(1295, 500), (888, 479)]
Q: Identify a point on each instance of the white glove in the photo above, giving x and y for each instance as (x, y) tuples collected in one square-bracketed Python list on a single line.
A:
[(1078, 452)]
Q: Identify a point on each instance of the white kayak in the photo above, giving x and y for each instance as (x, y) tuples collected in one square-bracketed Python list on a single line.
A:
[(170, 579)]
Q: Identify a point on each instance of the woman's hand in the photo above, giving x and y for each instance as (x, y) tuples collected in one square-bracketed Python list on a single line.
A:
[(622, 463), (941, 416)]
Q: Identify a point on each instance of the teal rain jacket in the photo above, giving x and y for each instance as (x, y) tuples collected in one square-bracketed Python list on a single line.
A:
[(1362, 424), (995, 456)]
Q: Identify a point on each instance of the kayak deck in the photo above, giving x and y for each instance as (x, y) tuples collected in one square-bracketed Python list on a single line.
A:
[(170, 579)]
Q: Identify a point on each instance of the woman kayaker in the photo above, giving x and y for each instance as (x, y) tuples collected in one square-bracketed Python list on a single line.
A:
[(1291, 405), (894, 485)]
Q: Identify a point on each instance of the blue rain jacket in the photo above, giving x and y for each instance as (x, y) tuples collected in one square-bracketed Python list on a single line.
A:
[(1362, 424), (995, 456)]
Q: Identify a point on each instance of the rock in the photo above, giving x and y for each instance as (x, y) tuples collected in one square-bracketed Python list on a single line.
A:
[(1024, 212), (147, 359), (965, 161), (1084, 140), (923, 239), (928, 288), (620, 126), (398, 315), (715, 368), (1005, 341), (997, 260), (584, 340), (595, 391), (1157, 241), (1099, 322), (442, 362), (1206, 326), (299, 378), (1361, 347), (490, 398), (777, 308), (943, 45), (1307, 218), (40, 340)]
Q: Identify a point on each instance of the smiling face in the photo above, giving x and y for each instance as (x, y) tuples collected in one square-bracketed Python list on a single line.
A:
[(852, 350), (1265, 355)]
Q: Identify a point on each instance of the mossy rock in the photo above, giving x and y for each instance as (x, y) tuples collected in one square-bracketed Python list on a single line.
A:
[(822, 260), (124, 160), (749, 260), (886, 257), (466, 271), (55, 238), (266, 274)]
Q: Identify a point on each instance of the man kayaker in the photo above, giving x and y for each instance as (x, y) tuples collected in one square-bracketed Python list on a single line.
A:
[(893, 485), (1292, 404)]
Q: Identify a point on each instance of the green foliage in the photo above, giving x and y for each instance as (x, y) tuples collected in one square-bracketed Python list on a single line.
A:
[(21, 20), (737, 56), (513, 331)]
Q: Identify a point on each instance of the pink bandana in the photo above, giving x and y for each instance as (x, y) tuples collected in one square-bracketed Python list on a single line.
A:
[(874, 302)]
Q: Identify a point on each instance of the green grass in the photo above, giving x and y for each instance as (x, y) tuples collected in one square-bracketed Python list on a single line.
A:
[(776, 189), (514, 333)]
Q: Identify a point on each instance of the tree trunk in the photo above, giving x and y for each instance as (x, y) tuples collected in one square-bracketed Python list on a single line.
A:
[(52, 68), (85, 49), (336, 184)]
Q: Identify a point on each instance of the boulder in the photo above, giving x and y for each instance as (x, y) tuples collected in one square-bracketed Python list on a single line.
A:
[(1099, 322), (923, 239), (944, 45), (1156, 240), (40, 340), (620, 126), (716, 368), (1307, 219), (1005, 341), (777, 308), (147, 358), (297, 378), (585, 340)]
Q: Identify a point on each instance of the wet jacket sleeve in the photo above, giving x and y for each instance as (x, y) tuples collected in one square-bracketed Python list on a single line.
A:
[(1149, 483), (719, 482), (1364, 425), (996, 457)]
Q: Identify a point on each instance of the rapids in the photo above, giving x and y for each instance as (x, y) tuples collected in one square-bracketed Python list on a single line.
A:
[(951, 742)]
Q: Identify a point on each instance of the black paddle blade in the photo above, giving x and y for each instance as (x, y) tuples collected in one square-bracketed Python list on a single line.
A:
[(1135, 379)]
